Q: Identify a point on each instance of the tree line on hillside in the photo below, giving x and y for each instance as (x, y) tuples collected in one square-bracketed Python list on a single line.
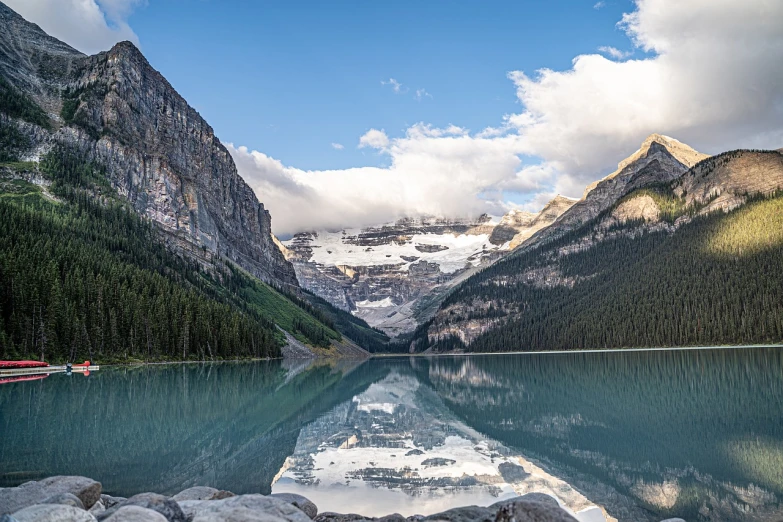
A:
[(717, 280), (86, 278)]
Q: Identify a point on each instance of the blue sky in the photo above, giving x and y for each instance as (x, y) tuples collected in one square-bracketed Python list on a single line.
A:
[(290, 78), (517, 101)]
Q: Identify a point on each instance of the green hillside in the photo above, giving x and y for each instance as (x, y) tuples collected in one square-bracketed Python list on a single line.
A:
[(82, 276), (716, 280)]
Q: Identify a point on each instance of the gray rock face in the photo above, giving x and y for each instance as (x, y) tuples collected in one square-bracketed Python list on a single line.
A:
[(53, 513), (158, 151), (298, 501), (542, 498), (659, 159), (65, 499), (250, 508), (109, 501), (160, 503), (464, 514), (86, 490), (136, 514), (530, 511), (201, 493)]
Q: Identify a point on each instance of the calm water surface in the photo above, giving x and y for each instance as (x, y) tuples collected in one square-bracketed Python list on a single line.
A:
[(636, 436)]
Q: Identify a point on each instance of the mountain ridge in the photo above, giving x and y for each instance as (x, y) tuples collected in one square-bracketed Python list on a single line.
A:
[(717, 221), (159, 152)]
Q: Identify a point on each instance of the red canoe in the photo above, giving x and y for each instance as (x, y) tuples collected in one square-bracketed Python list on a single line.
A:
[(22, 364), (19, 378)]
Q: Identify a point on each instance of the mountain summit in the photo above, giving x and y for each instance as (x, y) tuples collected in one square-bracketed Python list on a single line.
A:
[(159, 153)]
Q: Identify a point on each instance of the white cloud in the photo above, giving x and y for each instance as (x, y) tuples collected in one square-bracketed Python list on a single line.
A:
[(397, 87), (375, 139), (433, 171), (599, 5), (614, 52), (338, 146), (709, 78), (711, 81), (90, 26), (421, 94)]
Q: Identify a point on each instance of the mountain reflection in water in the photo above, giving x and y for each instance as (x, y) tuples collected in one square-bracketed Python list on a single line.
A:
[(636, 436)]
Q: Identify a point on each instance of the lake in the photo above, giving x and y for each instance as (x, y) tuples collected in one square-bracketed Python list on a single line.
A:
[(630, 436)]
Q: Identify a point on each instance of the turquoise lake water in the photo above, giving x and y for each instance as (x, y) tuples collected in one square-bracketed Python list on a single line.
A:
[(633, 435)]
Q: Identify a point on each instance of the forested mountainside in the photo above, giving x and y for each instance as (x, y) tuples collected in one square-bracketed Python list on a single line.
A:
[(127, 233), (697, 260)]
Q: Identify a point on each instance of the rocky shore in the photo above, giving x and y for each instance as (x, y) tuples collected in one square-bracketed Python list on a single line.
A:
[(81, 499)]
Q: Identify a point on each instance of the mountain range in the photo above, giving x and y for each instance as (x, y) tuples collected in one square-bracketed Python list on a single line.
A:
[(127, 233)]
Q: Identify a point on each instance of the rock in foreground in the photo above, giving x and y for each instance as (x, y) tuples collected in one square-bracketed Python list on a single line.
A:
[(61, 499)]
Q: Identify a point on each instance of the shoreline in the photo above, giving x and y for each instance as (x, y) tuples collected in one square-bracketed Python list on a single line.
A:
[(602, 350), (449, 354)]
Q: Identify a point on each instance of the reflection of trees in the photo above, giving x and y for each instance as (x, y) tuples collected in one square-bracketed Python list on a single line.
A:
[(163, 428), (643, 415)]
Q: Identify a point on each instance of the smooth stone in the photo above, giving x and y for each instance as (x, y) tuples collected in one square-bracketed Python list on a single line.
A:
[(160, 503), (512, 473), (529, 497), (303, 503), (202, 493), (250, 508), (31, 493), (465, 514), (7, 518), (195, 493), (66, 499), (394, 517), (328, 516), (531, 511), (53, 513), (98, 507), (136, 514), (110, 502)]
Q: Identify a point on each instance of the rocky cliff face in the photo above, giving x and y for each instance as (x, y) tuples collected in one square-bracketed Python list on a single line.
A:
[(158, 151), (394, 275), (660, 159), (381, 273)]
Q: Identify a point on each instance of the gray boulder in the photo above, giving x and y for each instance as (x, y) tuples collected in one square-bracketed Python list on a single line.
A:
[(110, 502), (249, 508), (310, 509), (136, 514), (531, 511), (66, 499), (201, 493), (328, 516), (512, 473), (85, 489), (465, 514), (97, 508), (7, 518), (529, 497), (53, 513), (673, 520), (512, 510), (162, 504)]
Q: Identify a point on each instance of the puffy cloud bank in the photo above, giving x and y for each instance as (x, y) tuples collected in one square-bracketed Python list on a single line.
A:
[(707, 73)]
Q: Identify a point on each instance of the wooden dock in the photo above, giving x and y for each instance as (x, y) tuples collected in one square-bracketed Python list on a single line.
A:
[(15, 372)]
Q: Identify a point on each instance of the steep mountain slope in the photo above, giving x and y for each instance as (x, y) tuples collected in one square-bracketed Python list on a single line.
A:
[(127, 232), (659, 159), (693, 260), (394, 275), (158, 152)]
